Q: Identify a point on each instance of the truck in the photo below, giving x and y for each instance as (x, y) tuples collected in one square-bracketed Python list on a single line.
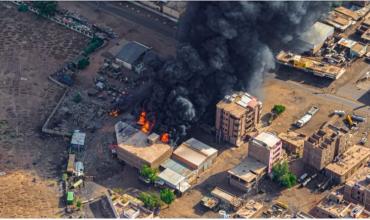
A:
[(307, 116)]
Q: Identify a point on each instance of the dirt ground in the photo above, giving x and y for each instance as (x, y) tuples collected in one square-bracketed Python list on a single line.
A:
[(31, 49)]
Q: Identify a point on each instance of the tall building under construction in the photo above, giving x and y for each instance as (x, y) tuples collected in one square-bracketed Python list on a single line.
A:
[(236, 116)]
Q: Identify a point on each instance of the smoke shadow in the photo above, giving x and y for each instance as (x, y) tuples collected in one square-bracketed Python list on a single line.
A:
[(285, 73)]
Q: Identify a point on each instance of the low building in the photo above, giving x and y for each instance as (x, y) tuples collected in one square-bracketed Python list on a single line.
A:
[(347, 13), (334, 206), (249, 210), (195, 155), (131, 54), (127, 206), (338, 21), (135, 149), (355, 49), (174, 180), (237, 115), (293, 142), (247, 174), (178, 167), (266, 147), (348, 163), (78, 140), (315, 37), (357, 188), (366, 36)]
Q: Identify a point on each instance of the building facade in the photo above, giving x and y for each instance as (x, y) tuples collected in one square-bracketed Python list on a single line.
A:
[(266, 148), (357, 189), (236, 116)]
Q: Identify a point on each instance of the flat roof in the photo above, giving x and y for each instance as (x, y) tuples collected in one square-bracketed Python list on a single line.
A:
[(338, 21), (366, 35), (238, 103), (317, 33), (177, 167), (293, 138), (347, 12), (131, 51), (359, 178), (349, 159), (248, 169), (200, 147), (78, 138), (343, 209), (269, 139), (171, 177), (135, 142), (249, 209), (190, 155)]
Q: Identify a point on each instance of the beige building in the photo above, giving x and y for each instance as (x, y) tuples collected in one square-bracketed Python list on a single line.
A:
[(246, 175), (236, 116), (348, 163), (334, 206), (249, 210), (357, 189), (293, 142), (324, 145), (136, 148)]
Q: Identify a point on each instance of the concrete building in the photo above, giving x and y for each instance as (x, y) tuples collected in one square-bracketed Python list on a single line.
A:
[(195, 155), (314, 38), (338, 21), (293, 142), (347, 13), (357, 188), (334, 206), (178, 167), (249, 210), (236, 116), (266, 148), (348, 163), (324, 145), (247, 174), (131, 54), (136, 150)]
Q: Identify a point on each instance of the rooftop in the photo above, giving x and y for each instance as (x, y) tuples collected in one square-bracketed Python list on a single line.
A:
[(78, 138), (338, 21), (317, 34), (200, 147), (343, 209), (248, 169), (226, 196), (249, 210), (267, 139), (174, 179), (177, 167), (366, 35), (349, 159), (360, 178), (131, 51), (293, 138), (347, 12), (238, 103), (135, 142)]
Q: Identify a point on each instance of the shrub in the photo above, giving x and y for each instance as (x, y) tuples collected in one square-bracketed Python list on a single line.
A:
[(94, 44), (283, 176), (149, 173), (167, 196), (150, 201), (46, 8), (83, 63), (23, 7), (77, 98), (278, 109)]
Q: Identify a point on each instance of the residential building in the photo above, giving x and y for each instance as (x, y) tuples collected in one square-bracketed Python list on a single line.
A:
[(247, 174), (324, 145), (314, 38), (357, 188), (136, 150), (293, 142), (348, 163), (334, 206), (236, 116), (131, 54), (249, 210), (266, 147), (347, 13), (195, 155)]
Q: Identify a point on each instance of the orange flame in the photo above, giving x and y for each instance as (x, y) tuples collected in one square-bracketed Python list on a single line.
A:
[(146, 127), (142, 118), (165, 138), (114, 113)]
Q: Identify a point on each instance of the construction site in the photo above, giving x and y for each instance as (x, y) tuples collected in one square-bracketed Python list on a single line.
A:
[(79, 141)]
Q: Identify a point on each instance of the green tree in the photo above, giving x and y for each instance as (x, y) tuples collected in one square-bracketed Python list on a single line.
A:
[(23, 7), (149, 173), (46, 8), (283, 176), (94, 43), (79, 204), (83, 63), (167, 196), (151, 201), (278, 109)]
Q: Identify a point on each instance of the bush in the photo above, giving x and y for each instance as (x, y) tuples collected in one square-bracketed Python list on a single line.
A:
[(149, 173), (46, 8), (283, 176), (78, 204), (83, 63), (167, 196), (278, 109), (23, 7), (94, 44), (150, 201), (77, 98)]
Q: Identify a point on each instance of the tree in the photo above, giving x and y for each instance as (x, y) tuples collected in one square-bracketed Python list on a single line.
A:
[(23, 7), (151, 201), (95, 43), (278, 109), (79, 204), (46, 8), (83, 63), (149, 173), (283, 176), (167, 196)]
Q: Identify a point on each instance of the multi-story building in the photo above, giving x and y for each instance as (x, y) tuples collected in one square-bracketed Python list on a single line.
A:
[(324, 145), (357, 189), (236, 116), (266, 148)]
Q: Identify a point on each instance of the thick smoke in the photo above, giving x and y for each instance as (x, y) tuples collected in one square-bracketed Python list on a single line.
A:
[(224, 46)]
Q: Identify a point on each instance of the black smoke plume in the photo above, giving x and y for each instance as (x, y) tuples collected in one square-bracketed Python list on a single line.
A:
[(224, 46)]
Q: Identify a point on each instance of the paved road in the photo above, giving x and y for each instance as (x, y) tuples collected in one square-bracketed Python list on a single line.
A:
[(138, 15)]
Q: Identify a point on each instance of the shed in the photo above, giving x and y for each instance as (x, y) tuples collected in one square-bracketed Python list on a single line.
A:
[(174, 180), (78, 140), (226, 197), (315, 37), (130, 54)]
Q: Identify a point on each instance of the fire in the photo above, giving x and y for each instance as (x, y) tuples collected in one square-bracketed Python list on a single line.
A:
[(142, 118), (114, 113), (146, 125), (165, 138)]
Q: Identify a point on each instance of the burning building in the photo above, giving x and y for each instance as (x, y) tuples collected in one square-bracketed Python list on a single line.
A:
[(236, 116), (223, 47)]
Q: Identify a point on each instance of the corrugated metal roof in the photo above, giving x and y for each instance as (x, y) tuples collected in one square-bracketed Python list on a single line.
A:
[(78, 138), (201, 147), (177, 167), (171, 177), (131, 51)]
